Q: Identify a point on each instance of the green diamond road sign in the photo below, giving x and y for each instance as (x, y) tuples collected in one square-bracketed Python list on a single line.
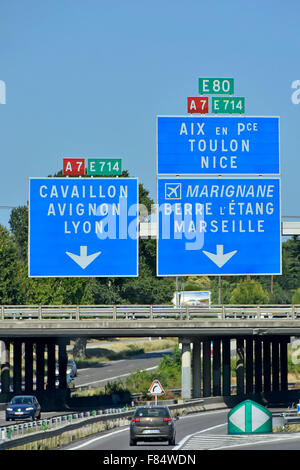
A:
[(249, 417)]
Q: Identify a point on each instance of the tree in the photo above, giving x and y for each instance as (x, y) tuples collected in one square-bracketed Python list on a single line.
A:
[(18, 222), (12, 270), (249, 291), (296, 297), (196, 283)]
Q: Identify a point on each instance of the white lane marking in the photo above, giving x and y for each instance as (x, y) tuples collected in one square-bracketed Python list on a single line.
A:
[(112, 378), (98, 438), (271, 438), (127, 428), (183, 441)]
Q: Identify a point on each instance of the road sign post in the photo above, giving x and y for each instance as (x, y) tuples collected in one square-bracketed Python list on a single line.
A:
[(218, 226), (83, 227)]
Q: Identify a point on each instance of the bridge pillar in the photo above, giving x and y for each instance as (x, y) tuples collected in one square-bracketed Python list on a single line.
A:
[(186, 368), (40, 365), (51, 364), (226, 366), (17, 366), (217, 367), (267, 364), (249, 365), (62, 363), (196, 368), (284, 364), (258, 365), (28, 365), (240, 366), (275, 365), (207, 368), (5, 367)]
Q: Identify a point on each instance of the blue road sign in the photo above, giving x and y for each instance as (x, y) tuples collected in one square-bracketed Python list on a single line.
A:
[(217, 145), (218, 226), (83, 227)]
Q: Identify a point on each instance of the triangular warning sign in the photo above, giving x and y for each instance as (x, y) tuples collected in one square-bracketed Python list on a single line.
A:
[(156, 388)]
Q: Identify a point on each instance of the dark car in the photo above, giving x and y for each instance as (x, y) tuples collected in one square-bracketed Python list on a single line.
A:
[(152, 423), (23, 406)]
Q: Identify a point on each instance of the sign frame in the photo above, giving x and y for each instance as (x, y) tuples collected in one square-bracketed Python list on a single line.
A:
[(217, 116), (213, 178), (78, 179)]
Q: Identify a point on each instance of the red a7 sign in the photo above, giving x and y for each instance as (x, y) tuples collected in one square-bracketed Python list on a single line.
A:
[(197, 104), (73, 166)]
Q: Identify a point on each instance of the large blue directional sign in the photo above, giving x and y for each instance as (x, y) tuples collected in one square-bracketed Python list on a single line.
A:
[(83, 227), (218, 226), (217, 145)]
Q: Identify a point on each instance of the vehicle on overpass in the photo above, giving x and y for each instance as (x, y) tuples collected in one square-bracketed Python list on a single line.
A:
[(71, 368), (152, 423)]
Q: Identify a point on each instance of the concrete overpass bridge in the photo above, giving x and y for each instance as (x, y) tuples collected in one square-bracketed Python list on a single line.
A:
[(35, 339)]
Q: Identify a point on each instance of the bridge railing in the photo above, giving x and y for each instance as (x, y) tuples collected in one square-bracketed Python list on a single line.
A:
[(147, 312)]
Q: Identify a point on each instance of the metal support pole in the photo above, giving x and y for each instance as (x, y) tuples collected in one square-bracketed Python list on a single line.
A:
[(220, 289)]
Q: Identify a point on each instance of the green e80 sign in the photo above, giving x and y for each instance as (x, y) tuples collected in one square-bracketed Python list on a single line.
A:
[(216, 86)]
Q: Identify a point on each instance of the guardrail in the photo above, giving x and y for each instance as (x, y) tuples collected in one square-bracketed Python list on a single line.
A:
[(17, 430), (146, 312)]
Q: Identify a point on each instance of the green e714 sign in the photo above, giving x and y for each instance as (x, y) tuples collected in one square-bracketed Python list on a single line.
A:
[(104, 166), (216, 86), (228, 105)]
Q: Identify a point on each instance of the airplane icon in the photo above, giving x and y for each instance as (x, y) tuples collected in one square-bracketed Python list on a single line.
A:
[(172, 190)]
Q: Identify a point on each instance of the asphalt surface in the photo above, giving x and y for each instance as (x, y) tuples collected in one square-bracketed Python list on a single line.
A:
[(201, 431)]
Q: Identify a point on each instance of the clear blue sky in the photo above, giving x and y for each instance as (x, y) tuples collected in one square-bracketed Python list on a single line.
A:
[(88, 77)]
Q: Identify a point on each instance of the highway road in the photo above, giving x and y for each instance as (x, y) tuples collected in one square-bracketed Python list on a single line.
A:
[(106, 372), (113, 370), (201, 431)]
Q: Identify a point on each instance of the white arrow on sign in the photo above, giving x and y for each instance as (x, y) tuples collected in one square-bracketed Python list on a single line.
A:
[(220, 258), (83, 259)]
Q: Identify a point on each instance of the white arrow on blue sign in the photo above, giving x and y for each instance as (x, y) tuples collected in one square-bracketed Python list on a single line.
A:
[(83, 227), (218, 226)]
